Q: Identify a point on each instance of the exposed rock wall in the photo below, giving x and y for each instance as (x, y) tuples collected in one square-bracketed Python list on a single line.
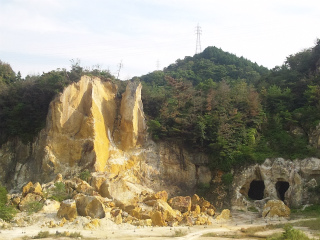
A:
[(78, 124), (90, 127), (282, 179)]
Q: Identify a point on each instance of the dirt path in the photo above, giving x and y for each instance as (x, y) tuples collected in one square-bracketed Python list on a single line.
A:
[(109, 230)]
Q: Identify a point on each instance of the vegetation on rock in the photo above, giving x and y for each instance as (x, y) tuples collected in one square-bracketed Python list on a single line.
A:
[(228, 107), (234, 110), (6, 212)]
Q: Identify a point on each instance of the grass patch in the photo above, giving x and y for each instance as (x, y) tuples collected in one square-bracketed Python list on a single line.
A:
[(312, 224), (46, 234), (310, 211), (42, 234), (59, 192), (33, 207), (85, 175), (70, 235), (253, 209), (7, 213), (291, 234), (179, 233)]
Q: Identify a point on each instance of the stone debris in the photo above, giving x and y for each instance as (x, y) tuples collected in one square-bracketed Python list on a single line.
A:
[(275, 209)]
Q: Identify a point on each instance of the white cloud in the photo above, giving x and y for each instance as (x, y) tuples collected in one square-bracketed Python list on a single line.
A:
[(142, 31)]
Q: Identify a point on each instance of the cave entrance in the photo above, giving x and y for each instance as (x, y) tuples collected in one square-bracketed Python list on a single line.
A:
[(256, 190), (282, 187)]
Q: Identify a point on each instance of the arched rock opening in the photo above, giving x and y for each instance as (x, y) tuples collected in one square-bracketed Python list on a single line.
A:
[(256, 190), (282, 187)]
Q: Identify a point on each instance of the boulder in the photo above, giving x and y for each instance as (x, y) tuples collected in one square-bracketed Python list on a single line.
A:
[(168, 213), (90, 206), (157, 219), (210, 212), (163, 195), (85, 188), (58, 178), (68, 209), (29, 198), (36, 189), (183, 204), (118, 219), (50, 206), (275, 208), (26, 189), (224, 215)]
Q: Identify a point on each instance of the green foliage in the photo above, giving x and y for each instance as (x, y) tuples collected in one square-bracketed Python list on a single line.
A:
[(179, 233), (29, 99), (234, 110), (3, 195), (312, 224), (33, 207), (154, 128), (85, 175), (46, 234), (7, 75), (291, 234), (59, 192), (42, 234), (68, 234), (252, 209), (227, 178), (7, 213)]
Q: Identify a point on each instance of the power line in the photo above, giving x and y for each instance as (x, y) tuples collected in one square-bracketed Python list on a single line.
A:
[(198, 44), (158, 64), (120, 66)]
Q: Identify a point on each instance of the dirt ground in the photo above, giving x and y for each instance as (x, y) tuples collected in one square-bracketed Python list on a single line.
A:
[(109, 230)]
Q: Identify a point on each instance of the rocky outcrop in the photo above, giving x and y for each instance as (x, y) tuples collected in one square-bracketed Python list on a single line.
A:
[(68, 209), (276, 179), (90, 126), (274, 209)]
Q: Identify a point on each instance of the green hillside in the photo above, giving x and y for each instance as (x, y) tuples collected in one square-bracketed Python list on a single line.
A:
[(226, 106), (234, 110)]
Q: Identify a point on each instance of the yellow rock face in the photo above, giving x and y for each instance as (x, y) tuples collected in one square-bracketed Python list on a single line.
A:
[(82, 121), (133, 125)]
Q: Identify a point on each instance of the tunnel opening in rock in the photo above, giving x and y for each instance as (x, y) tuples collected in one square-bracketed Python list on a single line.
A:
[(256, 190), (282, 187)]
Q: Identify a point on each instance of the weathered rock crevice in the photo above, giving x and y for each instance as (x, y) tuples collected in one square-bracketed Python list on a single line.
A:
[(277, 179)]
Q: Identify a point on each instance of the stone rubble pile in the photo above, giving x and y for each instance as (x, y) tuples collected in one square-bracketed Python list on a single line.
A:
[(147, 208)]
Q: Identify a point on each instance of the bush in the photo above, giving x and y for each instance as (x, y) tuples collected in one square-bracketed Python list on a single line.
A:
[(291, 234), (179, 233), (34, 206), (3, 195), (227, 178), (7, 213), (59, 192), (41, 234), (85, 175)]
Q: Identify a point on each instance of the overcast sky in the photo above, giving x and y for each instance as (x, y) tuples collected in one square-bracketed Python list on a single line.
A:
[(41, 35)]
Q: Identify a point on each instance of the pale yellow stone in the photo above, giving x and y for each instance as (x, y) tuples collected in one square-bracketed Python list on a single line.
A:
[(118, 219), (224, 215)]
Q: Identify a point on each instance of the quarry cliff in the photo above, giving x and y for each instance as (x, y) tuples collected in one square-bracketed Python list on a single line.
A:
[(91, 126)]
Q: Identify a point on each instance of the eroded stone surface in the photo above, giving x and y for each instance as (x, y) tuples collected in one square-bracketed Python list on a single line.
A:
[(276, 173)]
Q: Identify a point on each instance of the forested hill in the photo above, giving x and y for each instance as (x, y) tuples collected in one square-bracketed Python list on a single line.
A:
[(234, 110), (226, 106)]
